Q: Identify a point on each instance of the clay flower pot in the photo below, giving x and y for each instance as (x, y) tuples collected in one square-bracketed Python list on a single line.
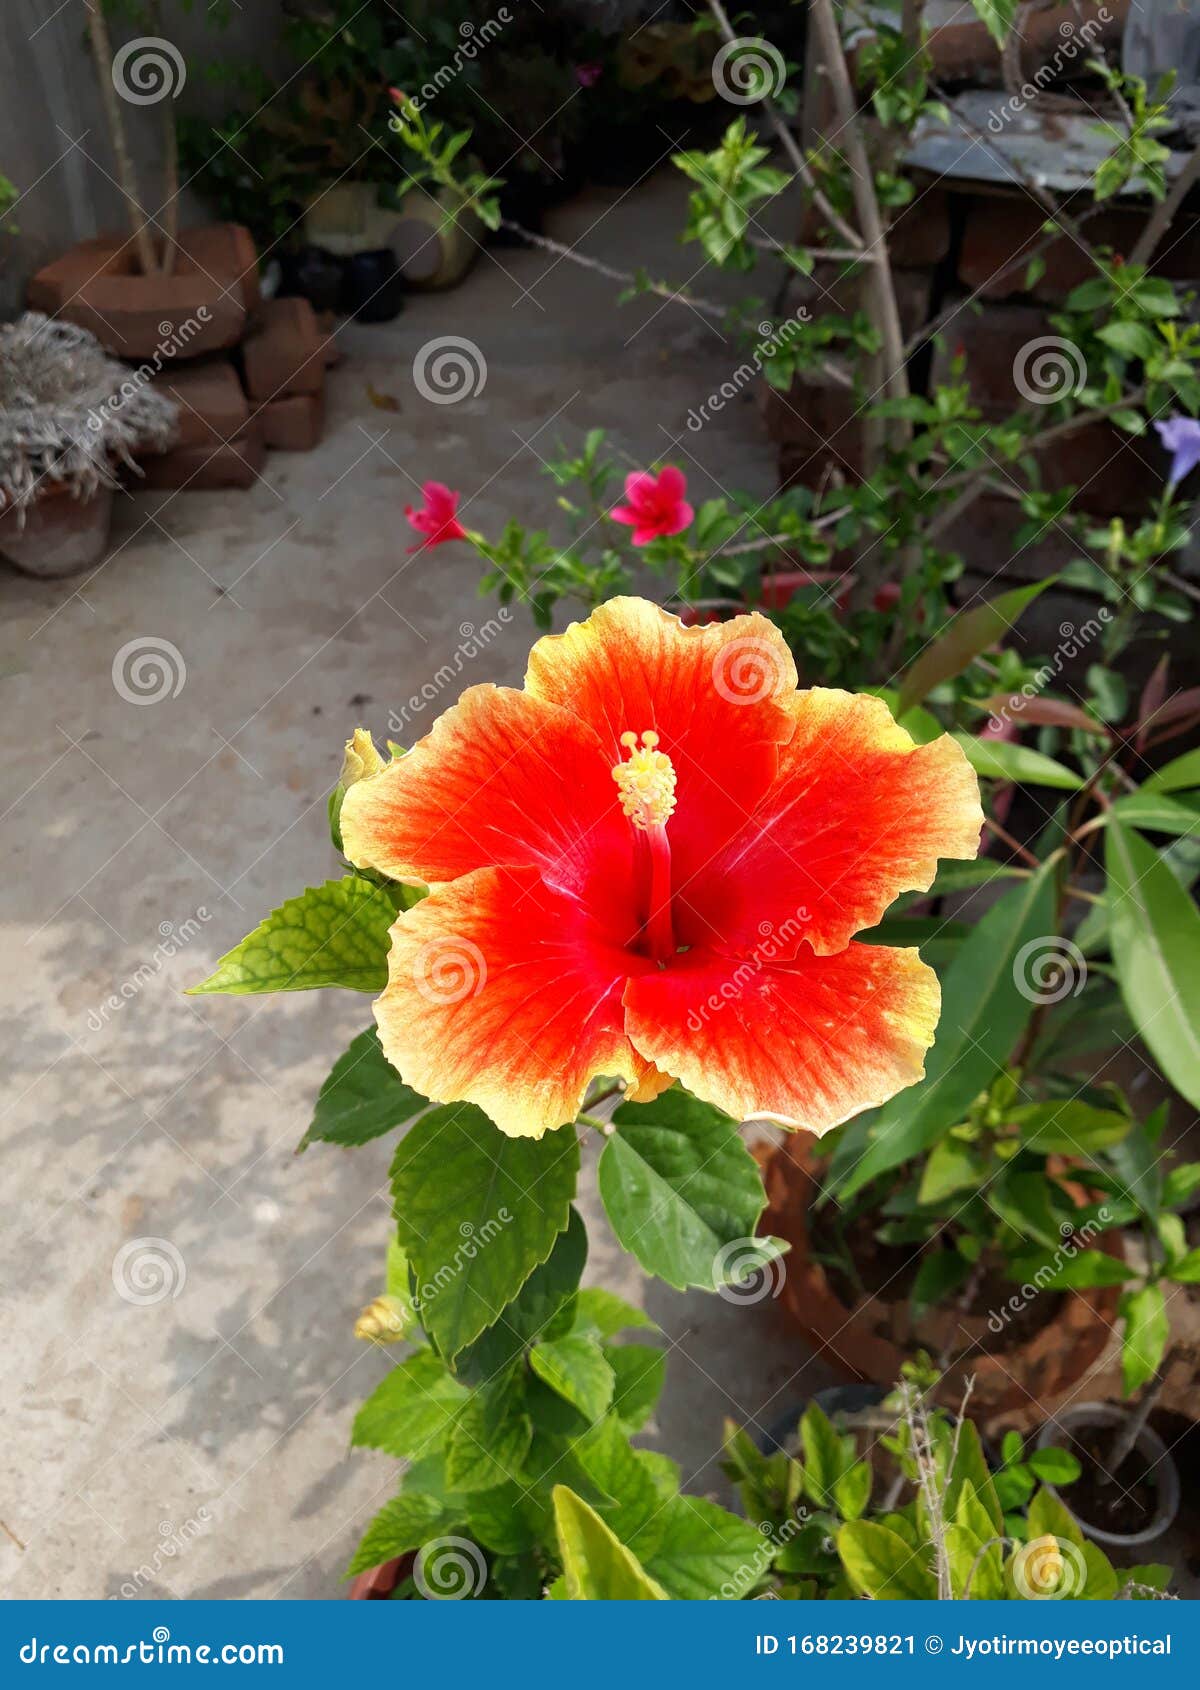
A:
[(378, 1583), (871, 1339), (57, 533)]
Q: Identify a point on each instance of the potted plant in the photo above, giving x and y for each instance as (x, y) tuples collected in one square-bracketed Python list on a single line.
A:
[(70, 416), (1130, 1491)]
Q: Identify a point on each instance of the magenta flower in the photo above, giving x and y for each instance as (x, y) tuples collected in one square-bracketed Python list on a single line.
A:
[(656, 506), (1181, 437), (437, 519)]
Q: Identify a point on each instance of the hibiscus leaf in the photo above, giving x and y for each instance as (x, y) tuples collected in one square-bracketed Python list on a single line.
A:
[(681, 1189), (639, 1370), (546, 1303), (967, 635), (576, 1368), (597, 1567), (1155, 932), (410, 1411), (337, 934), (707, 1553), (477, 1212), (403, 1524), (362, 1097), (987, 999)]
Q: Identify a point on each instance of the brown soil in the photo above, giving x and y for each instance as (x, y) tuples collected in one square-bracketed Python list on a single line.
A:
[(1123, 1501)]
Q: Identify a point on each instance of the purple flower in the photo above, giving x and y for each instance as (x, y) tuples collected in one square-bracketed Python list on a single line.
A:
[(1181, 437)]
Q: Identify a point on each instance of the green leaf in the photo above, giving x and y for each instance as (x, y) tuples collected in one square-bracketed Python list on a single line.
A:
[(403, 1524), (504, 1519), (1023, 1201), (1054, 1466), (1145, 1337), (1048, 1517), (940, 1273), (606, 1314), (624, 1488), (1180, 772), (477, 1211), (362, 1097), (706, 1552), (639, 1371), (546, 1300), (828, 1455), (332, 935), (951, 1166), (996, 16), (971, 1472), (976, 1574), (597, 1567), (1051, 1270), (852, 1492), (1158, 812), (576, 1368), (679, 1186), (998, 759), (879, 1563), (489, 1439), (409, 1412), (1155, 930), (1180, 1183), (1068, 1128), (1131, 340), (983, 1014), (1186, 1271), (969, 633)]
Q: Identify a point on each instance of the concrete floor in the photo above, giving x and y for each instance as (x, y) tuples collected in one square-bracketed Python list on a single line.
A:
[(204, 1435)]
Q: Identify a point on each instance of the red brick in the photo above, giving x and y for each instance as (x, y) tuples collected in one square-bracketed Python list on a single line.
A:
[(817, 431), (920, 233), (212, 406), (963, 51), (993, 339), (294, 423), (200, 307), (285, 353), (202, 468)]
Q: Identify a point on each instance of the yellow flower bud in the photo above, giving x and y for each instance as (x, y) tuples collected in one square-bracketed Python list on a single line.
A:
[(1043, 1563), (381, 1322), (361, 759)]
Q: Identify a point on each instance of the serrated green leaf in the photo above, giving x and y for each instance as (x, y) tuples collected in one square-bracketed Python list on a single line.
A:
[(409, 1412), (401, 1525), (597, 1567), (679, 1185), (639, 1371), (708, 1553), (1155, 932), (488, 1439), (545, 1301), (575, 1367), (477, 1211), (337, 934), (606, 1314), (362, 1097)]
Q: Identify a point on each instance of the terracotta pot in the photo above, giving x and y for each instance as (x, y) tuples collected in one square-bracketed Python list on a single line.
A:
[(57, 534), (378, 1583), (871, 1340)]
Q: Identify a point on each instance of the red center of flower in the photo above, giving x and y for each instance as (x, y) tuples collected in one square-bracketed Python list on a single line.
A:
[(646, 783)]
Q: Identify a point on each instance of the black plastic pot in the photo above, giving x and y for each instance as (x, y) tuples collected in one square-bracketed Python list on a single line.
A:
[(834, 1400), (313, 274), (1109, 1417), (372, 286)]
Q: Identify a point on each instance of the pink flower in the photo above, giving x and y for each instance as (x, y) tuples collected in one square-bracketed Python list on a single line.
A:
[(656, 505), (587, 75), (437, 519)]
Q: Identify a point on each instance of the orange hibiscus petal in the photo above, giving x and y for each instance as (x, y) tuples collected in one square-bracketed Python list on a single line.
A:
[(501, 992), (501, 780), (857, 815), (715, 695), (809, 1043)]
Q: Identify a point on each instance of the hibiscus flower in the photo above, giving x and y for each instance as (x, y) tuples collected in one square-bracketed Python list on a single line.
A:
[(437, 519), (656, 505), (649, 864)]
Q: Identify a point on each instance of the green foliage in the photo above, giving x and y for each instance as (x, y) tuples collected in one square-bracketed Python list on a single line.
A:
[(362, 1097), (337, 934)]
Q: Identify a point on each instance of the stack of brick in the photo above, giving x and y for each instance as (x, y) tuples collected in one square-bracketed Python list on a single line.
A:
[(246, 374)]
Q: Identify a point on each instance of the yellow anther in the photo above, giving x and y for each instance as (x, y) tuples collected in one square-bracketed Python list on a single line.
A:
[(646, 781)]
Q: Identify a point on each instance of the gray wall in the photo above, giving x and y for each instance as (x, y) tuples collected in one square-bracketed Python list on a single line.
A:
[(53, 142)]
